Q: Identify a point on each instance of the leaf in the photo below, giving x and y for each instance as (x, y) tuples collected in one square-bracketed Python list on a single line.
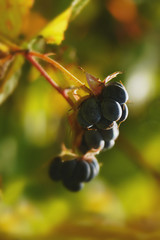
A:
[(111, 76), (37, 21), (4, 64), (54, 31), (5, 59), (94, 83), (9, 82), (12, 15), (77, 6), (3, 50)]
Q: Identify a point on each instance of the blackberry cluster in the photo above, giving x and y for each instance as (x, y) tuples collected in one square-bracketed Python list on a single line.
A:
[(99, 115), (73, 173)]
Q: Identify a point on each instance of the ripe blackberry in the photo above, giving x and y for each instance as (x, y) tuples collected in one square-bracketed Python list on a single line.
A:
[(73, 186), (81, 171), (55, 169), (111, 109), (115, 91), (93, 139), (90, 110), (104, 124), (124, 113), (94, 169), (83, 123)]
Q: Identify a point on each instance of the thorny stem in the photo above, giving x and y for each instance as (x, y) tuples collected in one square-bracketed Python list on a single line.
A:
[(60, 67), (29, 57)]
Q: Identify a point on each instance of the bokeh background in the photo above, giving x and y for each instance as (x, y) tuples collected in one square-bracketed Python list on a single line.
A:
[(123, 201)]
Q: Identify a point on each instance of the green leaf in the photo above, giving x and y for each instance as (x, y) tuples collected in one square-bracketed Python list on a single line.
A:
[(10, 80), (13, 14), (77, 6)]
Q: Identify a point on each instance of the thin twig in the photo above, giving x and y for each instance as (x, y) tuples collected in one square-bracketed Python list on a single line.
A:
[(61, 68), (48, 78)]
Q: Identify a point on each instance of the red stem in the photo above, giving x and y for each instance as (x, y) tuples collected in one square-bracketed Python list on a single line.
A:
[(61, 68), (48, 78)]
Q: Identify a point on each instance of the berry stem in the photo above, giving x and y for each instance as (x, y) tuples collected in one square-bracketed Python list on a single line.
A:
[(29, 57), (60, 67)]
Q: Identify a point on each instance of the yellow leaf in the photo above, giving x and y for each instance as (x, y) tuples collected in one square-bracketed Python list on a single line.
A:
[(54, 31), (12, 15)]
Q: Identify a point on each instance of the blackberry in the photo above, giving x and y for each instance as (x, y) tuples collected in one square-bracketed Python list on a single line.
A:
[(111, 109), (94, 169), (82, 122), (110, 134), (55, 169), (82, 171), (93, 139), (124, 113), (104, 124), (83, 146), (73, 186), (90, 110), (109, 144), (68, 168), (116, 91)]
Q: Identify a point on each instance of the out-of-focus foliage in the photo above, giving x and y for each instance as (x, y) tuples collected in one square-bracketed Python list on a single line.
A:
[(123, 201), (13, 15)]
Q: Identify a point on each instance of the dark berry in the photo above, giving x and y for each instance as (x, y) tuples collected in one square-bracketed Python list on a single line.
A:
[(111, 109), (96, 164), (116, 92), (109, 144), (110, 134), (104, 124), (83, 123), (68, 168), (94, 170), (93, 139), (55, 169), (82, 171), (124, 113), (73, 186), (91, 110), (83, 148)]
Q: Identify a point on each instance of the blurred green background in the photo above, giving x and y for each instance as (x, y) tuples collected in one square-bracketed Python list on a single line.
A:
[(123, 201)]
